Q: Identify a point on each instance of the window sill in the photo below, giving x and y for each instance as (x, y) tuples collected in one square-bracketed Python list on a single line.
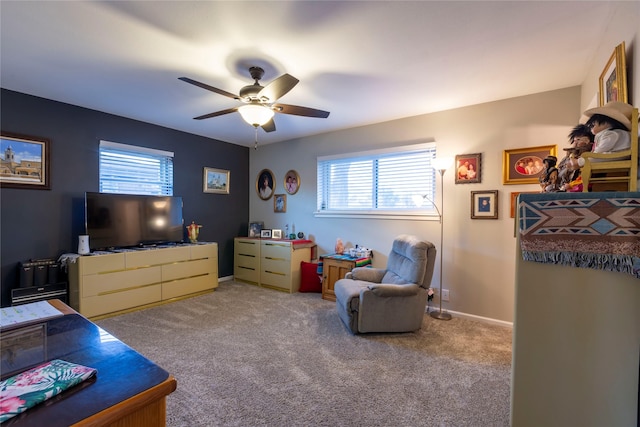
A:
[(406, 216)]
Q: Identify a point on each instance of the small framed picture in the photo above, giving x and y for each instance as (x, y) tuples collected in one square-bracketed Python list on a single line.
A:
[(468, 168), (276, 234), (291, 182), (525, 165), (280, 203), (265, 234), (216, 181), (613, 80), (255, 228), (26, 162), (484, 204), (265, 184)]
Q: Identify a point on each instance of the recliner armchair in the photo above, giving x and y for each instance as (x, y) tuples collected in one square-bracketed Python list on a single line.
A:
[(392, 299)]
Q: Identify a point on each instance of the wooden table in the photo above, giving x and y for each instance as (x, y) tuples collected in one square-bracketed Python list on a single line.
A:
[(129, 389)]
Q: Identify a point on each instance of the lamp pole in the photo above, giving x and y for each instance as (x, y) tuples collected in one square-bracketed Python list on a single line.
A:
[(441, 315)]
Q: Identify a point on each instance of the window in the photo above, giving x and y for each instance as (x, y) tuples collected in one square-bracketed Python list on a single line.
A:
[(378, 183), (135, 170)]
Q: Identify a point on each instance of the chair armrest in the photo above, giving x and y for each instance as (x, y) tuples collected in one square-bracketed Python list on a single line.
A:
[(367, 274), (618, 155), (389, 290)]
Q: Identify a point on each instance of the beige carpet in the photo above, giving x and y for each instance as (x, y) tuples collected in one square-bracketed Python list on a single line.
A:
[(247, 356)]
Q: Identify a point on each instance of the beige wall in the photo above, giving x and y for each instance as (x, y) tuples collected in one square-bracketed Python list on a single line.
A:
[(479, 266), (478, 259)]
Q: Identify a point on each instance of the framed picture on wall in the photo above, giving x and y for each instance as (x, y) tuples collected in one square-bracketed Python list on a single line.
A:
[(280, 203), (525, 165), (25, 162), (291, 182), (613, 80), (468, 168), (265, 182), (215, 181), (484, 204)]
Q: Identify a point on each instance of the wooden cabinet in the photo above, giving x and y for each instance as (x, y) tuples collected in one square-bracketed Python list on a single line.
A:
[(112, 282), (334, 269), (270, 263)]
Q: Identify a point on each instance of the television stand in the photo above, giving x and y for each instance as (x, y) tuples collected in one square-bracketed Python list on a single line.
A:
[(108, 283)]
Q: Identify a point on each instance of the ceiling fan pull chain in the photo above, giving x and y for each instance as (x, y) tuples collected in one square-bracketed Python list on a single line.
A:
[(255, 145)]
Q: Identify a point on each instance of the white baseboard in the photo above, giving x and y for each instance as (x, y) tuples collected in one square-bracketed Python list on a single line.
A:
[(225, 278), (482, 319)]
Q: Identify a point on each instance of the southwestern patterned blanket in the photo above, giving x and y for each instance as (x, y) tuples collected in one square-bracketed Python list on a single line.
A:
[(587, 230)]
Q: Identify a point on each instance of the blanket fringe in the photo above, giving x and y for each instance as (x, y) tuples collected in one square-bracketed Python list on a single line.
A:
[(618, 263)]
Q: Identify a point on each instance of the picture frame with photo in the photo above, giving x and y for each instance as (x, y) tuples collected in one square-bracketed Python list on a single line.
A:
[(612, 84), (280, 203), (265, 234), (215, 181), (255, 228), (525, 165), (291, 182), (484, 204), (265, 182), (276, 234), (468, 168), (26, 162)]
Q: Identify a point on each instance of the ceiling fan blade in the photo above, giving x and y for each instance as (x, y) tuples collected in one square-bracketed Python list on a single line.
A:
[(216, 114), (277, 88), (207, 87), (300, 111), (270, 126)]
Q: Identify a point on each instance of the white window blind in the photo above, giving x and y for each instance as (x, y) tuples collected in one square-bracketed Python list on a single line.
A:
[(380, 181), (129, 169)]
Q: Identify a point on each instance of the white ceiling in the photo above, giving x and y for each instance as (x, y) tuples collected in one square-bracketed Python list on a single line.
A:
[(364, 61)]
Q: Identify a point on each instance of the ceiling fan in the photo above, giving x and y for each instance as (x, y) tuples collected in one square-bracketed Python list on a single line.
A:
[(260, 102)]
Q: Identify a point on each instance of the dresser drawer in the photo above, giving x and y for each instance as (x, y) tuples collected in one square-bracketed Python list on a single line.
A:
[(247, 247), (101, 263), (204, 251), (179, 270), (109, 303), (180, 287), (97, 284), (156, 256), (274, 250)]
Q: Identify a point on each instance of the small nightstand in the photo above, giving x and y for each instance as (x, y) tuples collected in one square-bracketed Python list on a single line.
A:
[(334, 268)]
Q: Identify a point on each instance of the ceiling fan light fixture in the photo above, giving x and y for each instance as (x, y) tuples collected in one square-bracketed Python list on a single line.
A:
[(256, 115)]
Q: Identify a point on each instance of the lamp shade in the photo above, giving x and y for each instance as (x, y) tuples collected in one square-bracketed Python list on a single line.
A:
[(442, 163), (255, 115)]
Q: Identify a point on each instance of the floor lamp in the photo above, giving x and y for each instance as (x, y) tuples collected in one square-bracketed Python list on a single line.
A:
[(441, 165)]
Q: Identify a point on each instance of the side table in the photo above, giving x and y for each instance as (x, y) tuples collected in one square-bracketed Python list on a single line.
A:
[(335, 267)]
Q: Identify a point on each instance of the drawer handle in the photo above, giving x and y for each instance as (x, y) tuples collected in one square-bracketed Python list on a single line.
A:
[(250, 256), (247, 268), (277, 244), (275, 259), (275, 272)]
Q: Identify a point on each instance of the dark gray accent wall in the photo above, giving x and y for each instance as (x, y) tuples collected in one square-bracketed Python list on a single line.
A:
[(38, 224)]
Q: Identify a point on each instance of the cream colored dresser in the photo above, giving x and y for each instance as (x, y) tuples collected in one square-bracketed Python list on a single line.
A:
[(270, 263), (112, 282)]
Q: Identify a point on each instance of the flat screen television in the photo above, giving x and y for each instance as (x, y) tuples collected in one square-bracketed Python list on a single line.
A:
[(127, 220)]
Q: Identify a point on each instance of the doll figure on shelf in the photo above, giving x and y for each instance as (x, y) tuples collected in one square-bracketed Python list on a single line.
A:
[(610, 125), (549, 181), (580, 141), (192, 231), (339, 246)]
